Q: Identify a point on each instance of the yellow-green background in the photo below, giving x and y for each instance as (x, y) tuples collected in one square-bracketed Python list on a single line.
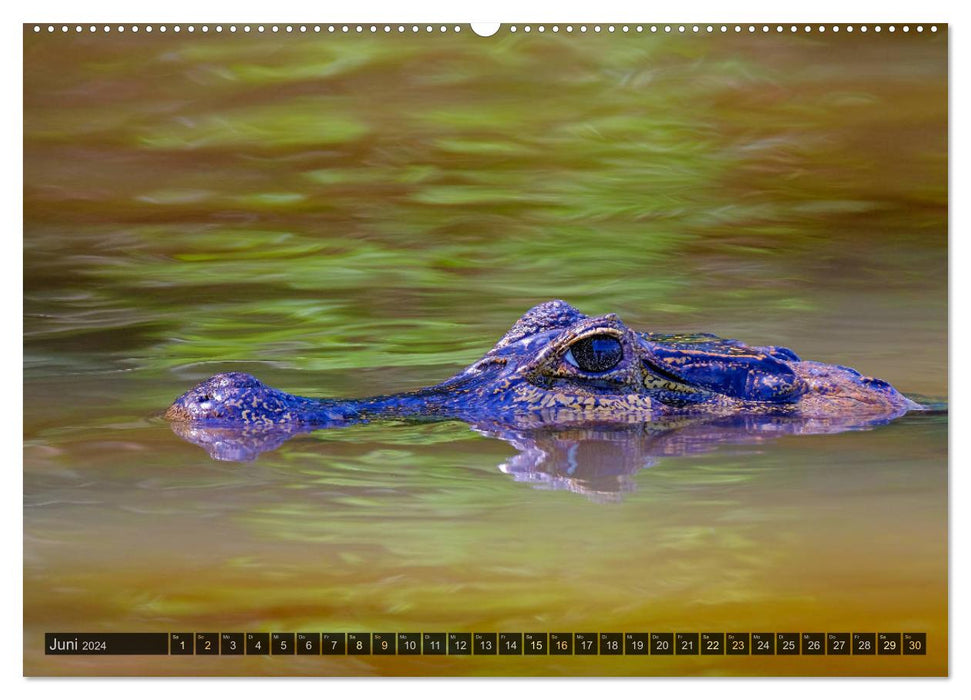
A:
[(353, 214)]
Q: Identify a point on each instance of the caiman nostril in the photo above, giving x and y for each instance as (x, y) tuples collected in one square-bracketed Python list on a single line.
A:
[(176, 413)]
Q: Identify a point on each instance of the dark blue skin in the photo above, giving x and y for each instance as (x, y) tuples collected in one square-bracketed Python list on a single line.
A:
[(558, 367)]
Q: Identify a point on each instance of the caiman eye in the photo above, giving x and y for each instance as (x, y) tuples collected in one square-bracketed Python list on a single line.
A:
[(598, 353)]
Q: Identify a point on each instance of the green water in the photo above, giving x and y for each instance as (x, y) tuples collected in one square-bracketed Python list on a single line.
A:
[(350, 215)]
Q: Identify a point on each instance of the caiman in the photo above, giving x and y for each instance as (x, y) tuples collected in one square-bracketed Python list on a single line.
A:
[(556, 366)]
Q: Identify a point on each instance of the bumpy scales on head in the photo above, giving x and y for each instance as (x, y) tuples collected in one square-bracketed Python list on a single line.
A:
[(558, 366)]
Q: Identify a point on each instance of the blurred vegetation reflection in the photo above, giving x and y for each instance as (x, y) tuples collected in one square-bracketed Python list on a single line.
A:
[(330, 202), (346, 215)]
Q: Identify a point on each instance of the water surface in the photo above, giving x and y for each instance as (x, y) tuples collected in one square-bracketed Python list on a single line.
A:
[(351, 215)]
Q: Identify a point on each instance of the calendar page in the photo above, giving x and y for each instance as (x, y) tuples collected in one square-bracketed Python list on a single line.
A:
[(591, 349)]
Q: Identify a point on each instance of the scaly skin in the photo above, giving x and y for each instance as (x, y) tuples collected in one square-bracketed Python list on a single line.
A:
[(556, 366)]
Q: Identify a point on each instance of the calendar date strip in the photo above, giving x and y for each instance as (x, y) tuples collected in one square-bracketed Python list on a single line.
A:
[(487, 643)]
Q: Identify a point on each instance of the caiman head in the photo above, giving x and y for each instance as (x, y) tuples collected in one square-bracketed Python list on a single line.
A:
[(559, 361), (556, 365)]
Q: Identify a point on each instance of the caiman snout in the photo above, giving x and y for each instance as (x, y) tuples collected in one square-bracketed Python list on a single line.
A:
[(222, 396)]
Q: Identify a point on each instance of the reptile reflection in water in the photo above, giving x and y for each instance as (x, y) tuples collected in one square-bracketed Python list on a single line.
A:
[(599, 460), (587, 401)]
